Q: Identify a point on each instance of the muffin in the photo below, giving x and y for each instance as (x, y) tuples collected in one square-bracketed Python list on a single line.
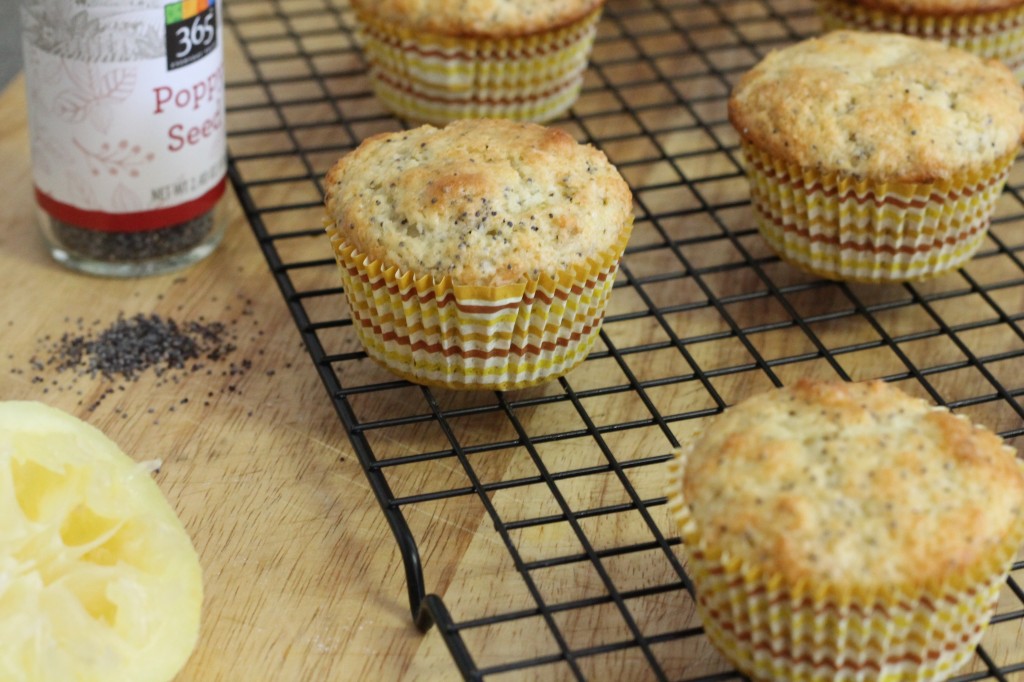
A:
[(841, 531), (876, 157), (479, 255), (993, 29), (437, 61)]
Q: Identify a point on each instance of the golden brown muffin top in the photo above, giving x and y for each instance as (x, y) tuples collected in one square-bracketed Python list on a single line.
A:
[(854, 485), (488, 202), (880, 105), (494, 18), (942, 7)]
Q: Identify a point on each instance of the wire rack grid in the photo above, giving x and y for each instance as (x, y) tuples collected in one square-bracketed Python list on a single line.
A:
[(557, 491)]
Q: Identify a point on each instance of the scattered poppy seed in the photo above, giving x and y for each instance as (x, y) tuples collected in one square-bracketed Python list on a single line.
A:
[(133, 345), (122, 351)]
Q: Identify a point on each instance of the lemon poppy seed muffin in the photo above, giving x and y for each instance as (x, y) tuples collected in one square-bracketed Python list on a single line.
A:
[(437, 61), (876, 156), (493, 18), (881, 106), (875, 527), (484, 202), (500, 239), (993, 29)]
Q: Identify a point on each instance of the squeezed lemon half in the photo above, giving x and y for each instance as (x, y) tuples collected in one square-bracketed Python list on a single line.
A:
[(99, 580)]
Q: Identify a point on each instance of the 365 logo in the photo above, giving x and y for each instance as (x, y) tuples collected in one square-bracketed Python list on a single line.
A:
[(191, 31)]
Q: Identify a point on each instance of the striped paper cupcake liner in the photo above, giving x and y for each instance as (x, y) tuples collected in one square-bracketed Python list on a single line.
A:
[(994, 34), (807, 633), (841, 227), (434, 332), (434, 78)]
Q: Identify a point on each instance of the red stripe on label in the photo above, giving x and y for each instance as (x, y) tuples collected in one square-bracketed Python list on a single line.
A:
[(141, 221)]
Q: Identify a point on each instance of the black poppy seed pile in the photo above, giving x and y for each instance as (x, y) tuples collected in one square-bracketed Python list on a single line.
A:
[(136, 344), (122, 351)]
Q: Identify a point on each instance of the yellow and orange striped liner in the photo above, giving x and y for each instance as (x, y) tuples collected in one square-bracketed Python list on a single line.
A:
[(820, 633), (991, 34), (434, 332), (847, 228), (435, 78)]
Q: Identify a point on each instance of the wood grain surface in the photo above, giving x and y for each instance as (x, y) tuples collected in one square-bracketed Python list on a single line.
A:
[(303, 580)]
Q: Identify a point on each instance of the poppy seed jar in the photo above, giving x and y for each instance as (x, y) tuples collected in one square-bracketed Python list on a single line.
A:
[(127, 127)]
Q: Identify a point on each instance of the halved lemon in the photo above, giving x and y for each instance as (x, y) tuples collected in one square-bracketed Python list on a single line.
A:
[(99, 580)]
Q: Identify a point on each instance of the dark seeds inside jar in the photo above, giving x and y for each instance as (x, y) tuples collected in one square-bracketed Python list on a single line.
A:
[(120, 247)]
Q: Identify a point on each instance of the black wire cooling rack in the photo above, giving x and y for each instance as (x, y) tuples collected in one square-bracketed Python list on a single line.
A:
[(560, 488)]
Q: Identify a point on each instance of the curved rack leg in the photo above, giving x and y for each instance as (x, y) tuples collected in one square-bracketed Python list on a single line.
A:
[(410, 557), (433, 610)]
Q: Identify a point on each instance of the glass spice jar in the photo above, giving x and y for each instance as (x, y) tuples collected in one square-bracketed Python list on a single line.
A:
[(127, 127)]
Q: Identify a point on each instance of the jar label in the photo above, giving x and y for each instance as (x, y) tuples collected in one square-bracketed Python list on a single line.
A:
[(191, 31), (126, 110)]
